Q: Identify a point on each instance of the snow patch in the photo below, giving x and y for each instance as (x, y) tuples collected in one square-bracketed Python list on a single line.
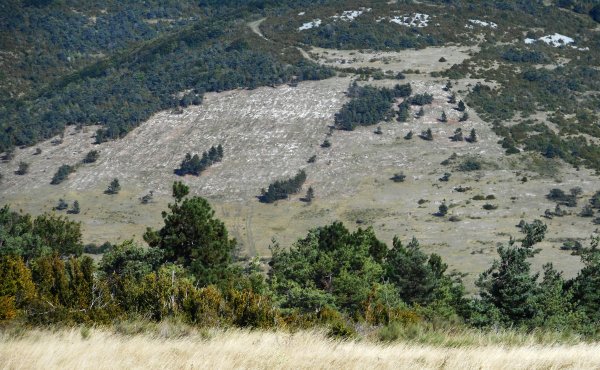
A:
[(419, 20), (556, 40), (301, 13), (309, 25), (350, 15), (483, 23)]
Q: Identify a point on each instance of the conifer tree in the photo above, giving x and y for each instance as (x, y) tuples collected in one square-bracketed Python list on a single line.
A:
[(472, 136), (114, 187)]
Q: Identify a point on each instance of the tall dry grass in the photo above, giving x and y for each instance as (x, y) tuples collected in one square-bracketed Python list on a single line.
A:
[(216, 349)]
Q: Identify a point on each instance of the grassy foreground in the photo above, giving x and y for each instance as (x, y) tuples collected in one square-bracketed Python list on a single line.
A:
[(82, 348)]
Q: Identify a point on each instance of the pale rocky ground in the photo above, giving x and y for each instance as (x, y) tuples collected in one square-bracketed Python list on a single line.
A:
[(269, 133)]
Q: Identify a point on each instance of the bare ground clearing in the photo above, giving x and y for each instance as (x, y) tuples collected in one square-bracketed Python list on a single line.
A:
[(268, 134)]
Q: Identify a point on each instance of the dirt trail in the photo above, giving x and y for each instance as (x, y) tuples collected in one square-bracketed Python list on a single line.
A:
[(255, 27)]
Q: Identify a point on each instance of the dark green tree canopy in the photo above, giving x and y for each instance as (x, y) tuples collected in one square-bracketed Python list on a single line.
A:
[(193, 237)]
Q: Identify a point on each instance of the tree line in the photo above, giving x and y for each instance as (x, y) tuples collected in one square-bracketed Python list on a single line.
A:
[(332, 277), (194, 165)]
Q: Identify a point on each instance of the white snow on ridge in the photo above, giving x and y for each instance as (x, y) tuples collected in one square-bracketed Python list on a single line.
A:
[(555, 40), (309, 25), (416, 20), (350, 15), (483, 23), (301, 13)]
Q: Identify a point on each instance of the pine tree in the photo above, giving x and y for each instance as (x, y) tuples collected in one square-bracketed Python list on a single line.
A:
[(461, 106), (408, 268), (472, 136), (421, 113), (23, 168), (442, 209), (219, 152), (444, 118), (75, 209), (458, 135), (114, 187), (310, 194), (464, 117), (61, 205), (408, 136), (427, 135), (509, 286), (452, 99), (194, 238)]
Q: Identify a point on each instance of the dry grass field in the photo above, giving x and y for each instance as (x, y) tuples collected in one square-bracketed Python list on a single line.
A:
[(269, 133), (235, 349)]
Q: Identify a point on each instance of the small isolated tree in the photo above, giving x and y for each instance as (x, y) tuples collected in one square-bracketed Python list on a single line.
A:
[(378, 131), (403, 111), (75, 209), (442, 210), (114, 187), (312, 159), (37, 151), (472, 136), (427, 135), (446, 177), (464, 117), (587, 211), (452, 99), (23, 168), (408, 136), (442, 60), (310, 194), (448, 86), (325, 144), (444, 118), (91, 157), (62, 205), (421, 113), (458, 135), (398, 177), (147, 198), (461, 106)]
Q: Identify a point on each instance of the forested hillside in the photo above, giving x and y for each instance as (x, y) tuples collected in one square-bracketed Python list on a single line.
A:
[(113, 64), (419, 167)]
